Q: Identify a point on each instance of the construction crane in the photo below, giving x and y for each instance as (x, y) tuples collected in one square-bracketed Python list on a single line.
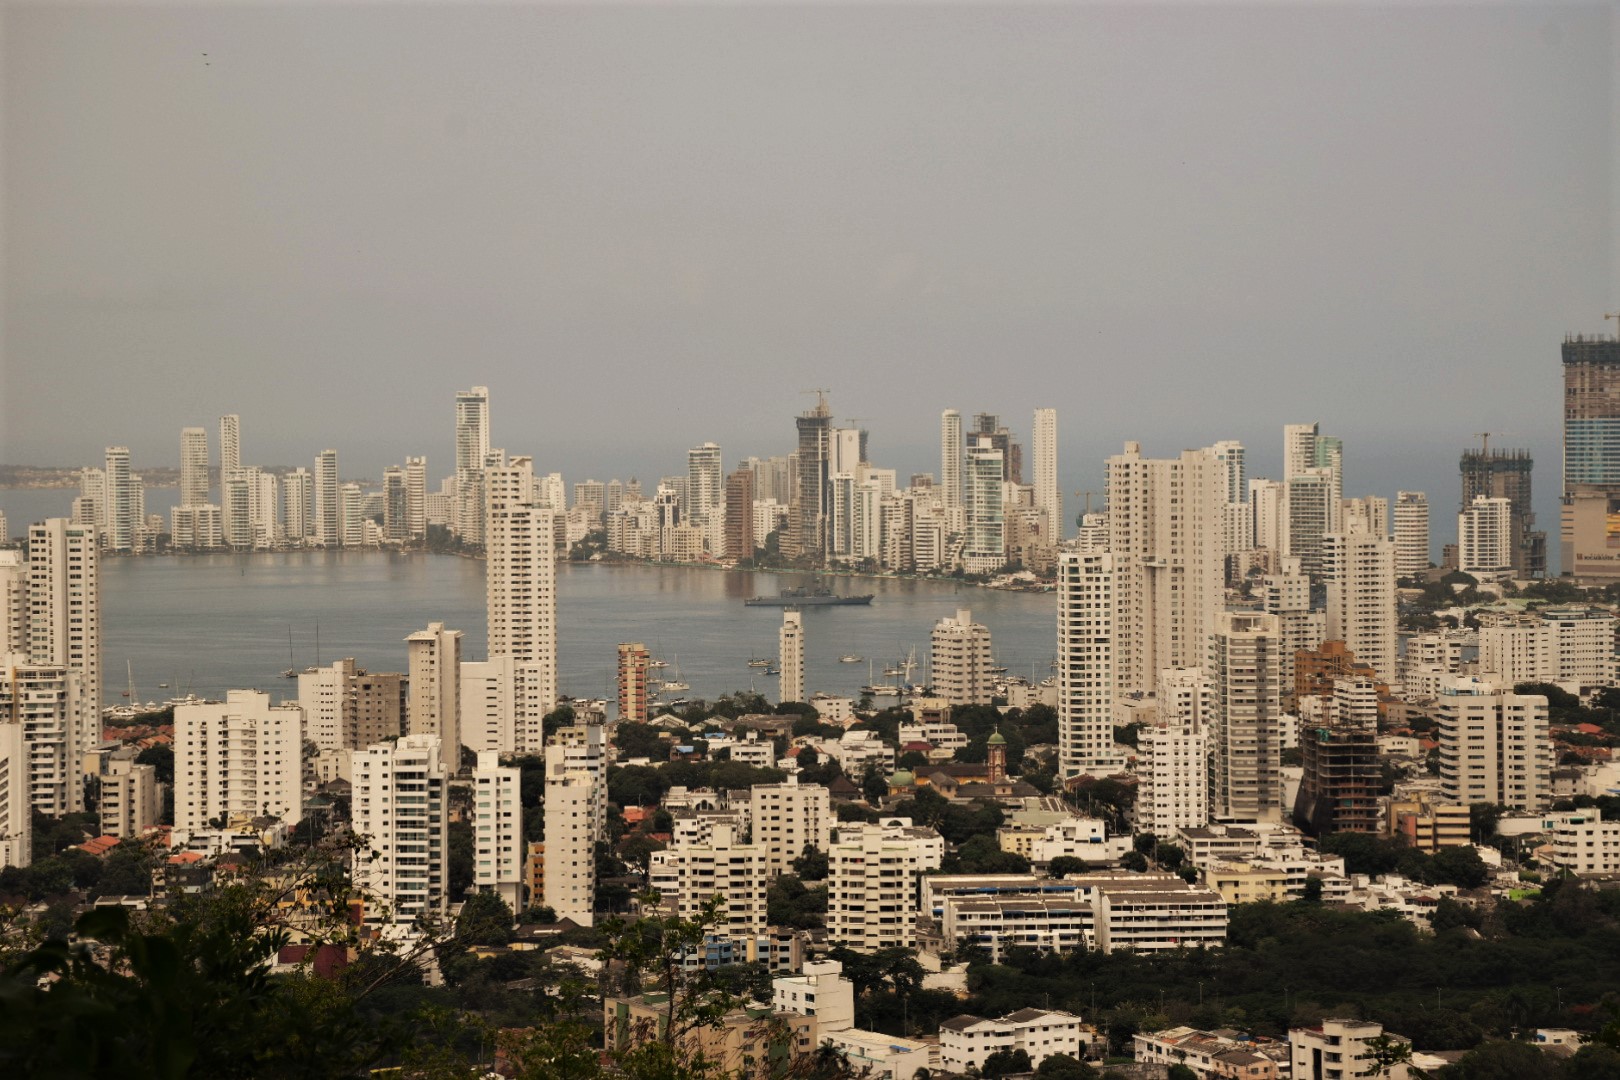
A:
[(1607, 315), (821, 400), (1484, 438), (1086, 495)]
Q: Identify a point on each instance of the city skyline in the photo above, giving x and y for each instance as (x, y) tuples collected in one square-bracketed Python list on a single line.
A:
[(1210, 247)]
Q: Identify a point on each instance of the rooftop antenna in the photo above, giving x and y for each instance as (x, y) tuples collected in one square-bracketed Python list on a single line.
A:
[(1484, 438)]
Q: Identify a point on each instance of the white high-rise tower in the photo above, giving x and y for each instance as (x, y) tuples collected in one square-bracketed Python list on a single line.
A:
[(1360, 573), (520, 591), (121, 510), (328, 530), (194, 484), (434, 706), (230, 444), (950, 457), (1085, 644), (1048, 496), (1411, 533), (1245, 667)]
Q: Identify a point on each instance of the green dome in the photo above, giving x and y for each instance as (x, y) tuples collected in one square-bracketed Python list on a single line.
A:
[(997, 739), (902, 778)]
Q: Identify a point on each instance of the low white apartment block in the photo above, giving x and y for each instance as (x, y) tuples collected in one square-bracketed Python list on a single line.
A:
[(1586, 845), (688, 876), (966, 1042), (787, 818), (820, 990), (1339, 1050), (129, 798), (872, 893), (1572, 647), (570, 816), (239, 759), (498, 846)]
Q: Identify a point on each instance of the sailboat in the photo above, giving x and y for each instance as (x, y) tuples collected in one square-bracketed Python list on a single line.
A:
[(675, 685), (292, 670)]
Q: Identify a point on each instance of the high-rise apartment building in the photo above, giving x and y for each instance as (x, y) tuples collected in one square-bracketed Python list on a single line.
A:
[(1085, 658), (1287, 595), (1048, 496), (236, 760), (960, 660), (740, 538), (1505, 474), (985, 541), (1268, 509), (520, 585), (16, 812), (230, 444), (396, 508), (1485, 538), (1339, 788), (1164, 519), (1411, 533), (1305, 449), (1572, 647), (64, 613), (570, 808), (121, 515), (328, 530), (400, 795), (950, 457), (787, 818), (13, 602), (872, 892), (194, 481), (1246, 718), (633, 660), (1173, 755), (298, 489), (790, 655), (47, 705), (688, 875), (1493, 745), (472, 447), (989, 426), (488, 711), (705, 494), (434, 704), (415, 498), (1591, 493), (352, 518), (1360, 572), (498, 847)]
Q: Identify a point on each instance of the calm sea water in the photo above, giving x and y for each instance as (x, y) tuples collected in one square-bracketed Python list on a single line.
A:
[(208, 623), (212, 622)]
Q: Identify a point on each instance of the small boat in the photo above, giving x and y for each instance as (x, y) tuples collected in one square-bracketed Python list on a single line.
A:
[(849, 659), (675, 685), (773, 671), (881, 690), (893, 671), (759, 661), (657, 664)]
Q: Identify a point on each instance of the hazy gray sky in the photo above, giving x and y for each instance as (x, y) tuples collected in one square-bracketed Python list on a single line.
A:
[(644, 228)]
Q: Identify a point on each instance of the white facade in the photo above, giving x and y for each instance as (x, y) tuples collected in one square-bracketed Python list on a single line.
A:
[(47, 703), (688, 876), (433, 707), (1043, 449), (786, 819), (237, 759), (64, 619), (520, 583), (13, 602), (328, 524), (129, 799), (790, 656), (966, 1042), (1268, 506), (1493, 745), (16, 809), (819, 990), (960, 660), (1165, 519), (400, 797), (487, 707), (1586, 845), (583, 747), (1360, 571), (472, 447), (950, 457), (1287, 595), (1246, 728), (498, 847), (121, 514), (1485, 538), (1573, 647), (1340, 1050), (194, 479), (323, 695), (1173, 756), (1411, 533), (1085, 656), (985, 538), (570, 807), (297, 489), (872, 893)]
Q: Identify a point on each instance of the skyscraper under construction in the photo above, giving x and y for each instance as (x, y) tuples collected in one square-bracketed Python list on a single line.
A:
[(1589, 529)]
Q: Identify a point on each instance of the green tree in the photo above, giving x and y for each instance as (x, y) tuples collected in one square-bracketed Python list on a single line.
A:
[(1005, 1061), (1064, 1067), (811, 865), (1064, 865)]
